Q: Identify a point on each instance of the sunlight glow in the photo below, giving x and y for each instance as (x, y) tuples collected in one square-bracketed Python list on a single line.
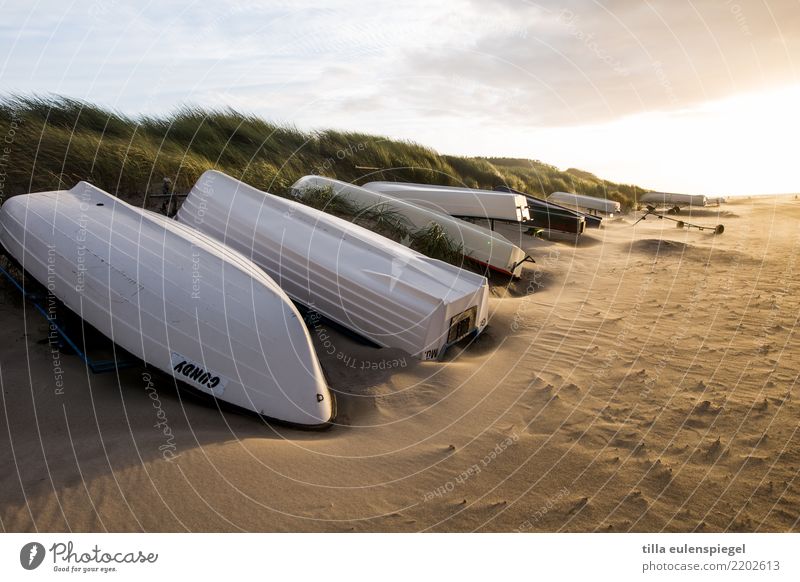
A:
[(746, 144)]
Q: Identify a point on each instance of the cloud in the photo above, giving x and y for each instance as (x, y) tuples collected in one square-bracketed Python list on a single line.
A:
[(577, 62), (511, 77), (523, 63)]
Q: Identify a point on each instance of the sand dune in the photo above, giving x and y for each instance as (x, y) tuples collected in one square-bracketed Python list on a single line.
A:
[(645, 379)]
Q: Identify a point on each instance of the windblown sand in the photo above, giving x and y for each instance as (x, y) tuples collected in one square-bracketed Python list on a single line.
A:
[(645, 379)]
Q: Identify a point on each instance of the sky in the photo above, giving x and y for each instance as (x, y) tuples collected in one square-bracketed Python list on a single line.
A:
[(699, 96)]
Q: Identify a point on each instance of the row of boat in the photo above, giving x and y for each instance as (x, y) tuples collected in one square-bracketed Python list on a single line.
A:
[(561, 212), (211, 297)]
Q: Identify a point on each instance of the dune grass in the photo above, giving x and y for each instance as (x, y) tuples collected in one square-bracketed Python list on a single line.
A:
[(432, 241), (49, 143), (53, 142)]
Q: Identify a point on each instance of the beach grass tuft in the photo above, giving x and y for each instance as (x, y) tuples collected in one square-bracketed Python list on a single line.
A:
[(53, 142)]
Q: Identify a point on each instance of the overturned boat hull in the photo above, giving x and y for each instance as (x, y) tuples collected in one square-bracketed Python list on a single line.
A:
[(371, 285), (592, 221), (550, 216), (459, 202), (551, 219), (175, 298), (478, 244), (671, 199), (588, 204)]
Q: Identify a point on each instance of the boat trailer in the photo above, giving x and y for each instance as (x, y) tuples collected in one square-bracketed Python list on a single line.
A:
[(61, 332), (651, 211)]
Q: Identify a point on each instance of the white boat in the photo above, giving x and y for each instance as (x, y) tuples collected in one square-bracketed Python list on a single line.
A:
[(668, 199), (586, 203), (378, 288), (177, 299), (478, 244), (549, 216), (459, 202)]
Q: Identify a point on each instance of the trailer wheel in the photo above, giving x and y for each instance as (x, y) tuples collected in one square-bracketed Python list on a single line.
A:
[(679, 224), (719, 230)]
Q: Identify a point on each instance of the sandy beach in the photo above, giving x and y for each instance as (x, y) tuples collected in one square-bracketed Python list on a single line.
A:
[(643, 379)]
